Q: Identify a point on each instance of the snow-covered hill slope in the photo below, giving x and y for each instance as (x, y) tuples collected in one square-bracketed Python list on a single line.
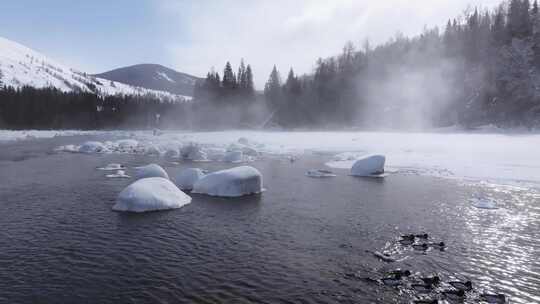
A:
[(154, 77), (22, 66)]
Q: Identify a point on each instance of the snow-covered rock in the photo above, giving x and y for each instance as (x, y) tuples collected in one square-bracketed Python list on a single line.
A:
[(151, 170), (127, 145), (369, 166), (188, 177), (233, 157), (151, 194), (232, 182), (118, 174), (111, 167), (318, 173), (92, 147), (193, 152)]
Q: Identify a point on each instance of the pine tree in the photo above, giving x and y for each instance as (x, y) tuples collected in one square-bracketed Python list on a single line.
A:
[(272, 89), (249, 85), (229, 80), (241, 76)]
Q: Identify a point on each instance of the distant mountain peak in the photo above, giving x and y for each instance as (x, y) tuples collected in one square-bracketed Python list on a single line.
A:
[(155, 77), (22, 66)]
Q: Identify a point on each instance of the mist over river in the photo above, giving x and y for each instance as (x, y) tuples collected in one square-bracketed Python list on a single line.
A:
[(303, 240)]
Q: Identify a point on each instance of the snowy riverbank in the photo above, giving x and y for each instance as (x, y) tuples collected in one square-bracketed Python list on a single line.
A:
[(501, 158)]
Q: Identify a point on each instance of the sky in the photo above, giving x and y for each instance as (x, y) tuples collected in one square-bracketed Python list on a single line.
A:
[(195, 36)]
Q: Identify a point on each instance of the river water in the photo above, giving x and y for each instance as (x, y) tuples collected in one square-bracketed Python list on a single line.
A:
[(304, 240)]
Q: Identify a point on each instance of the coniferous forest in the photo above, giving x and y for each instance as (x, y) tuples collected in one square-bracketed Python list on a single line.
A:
[(481, 68)]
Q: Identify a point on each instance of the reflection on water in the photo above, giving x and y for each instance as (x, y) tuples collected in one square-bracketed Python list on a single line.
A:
[(304, 240)]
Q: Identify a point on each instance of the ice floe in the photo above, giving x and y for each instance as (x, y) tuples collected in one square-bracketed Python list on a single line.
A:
[(234, 182), (372, 165), (151, 170), (188, 177), (151, 194)]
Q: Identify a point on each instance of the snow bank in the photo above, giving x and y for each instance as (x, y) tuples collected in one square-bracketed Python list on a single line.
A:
[(151, 170), (187, 178), (93, 147), (233, 182), (369, 166), (151, 194)]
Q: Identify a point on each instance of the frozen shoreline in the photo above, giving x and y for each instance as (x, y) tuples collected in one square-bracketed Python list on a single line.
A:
[(498, 158)]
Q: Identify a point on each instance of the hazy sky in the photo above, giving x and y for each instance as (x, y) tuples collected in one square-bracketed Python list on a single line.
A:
[(193, 36)]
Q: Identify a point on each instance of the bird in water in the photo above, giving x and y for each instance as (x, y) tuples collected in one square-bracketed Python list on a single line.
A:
[(422, 247), (440, 245), (493, 298), (454, 294), (435, 280), (464, 286), (424, 288)]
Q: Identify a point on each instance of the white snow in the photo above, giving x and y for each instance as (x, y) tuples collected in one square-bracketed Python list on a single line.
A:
[(509, 158), (232, 182), (111, 167), (118, 174), (165, 76), (188, 177), (369, 166), (151, 194), (22, 66), (151, 170), (11, 135), (92, 147)]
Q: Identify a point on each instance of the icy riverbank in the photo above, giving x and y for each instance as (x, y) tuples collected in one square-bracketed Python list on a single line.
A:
[(501, 158)]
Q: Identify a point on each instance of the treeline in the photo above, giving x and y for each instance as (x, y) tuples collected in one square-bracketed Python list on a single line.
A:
[(227, 101), (50, 108), (483, 68)]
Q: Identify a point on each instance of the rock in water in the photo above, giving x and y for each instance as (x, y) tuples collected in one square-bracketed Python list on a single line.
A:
[(151, 170), (235, 182), (187, 178), (151, 194), (92, 147), (372, 165)]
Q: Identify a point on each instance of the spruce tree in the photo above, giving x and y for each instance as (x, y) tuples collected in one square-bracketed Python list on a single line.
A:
[(229, 80)]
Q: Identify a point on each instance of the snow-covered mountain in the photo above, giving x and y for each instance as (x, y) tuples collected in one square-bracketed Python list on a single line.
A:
[(22, 66), (154, 77)]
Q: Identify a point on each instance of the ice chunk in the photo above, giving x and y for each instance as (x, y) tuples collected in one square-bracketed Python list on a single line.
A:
[(151, 170), (152, 150), (318, 173), (151, 194), (233, 157), (484, 204), (233, 182), (187, 178), (111, 167), (92, 147), (243, 141), (118, 174), (372, 165)]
